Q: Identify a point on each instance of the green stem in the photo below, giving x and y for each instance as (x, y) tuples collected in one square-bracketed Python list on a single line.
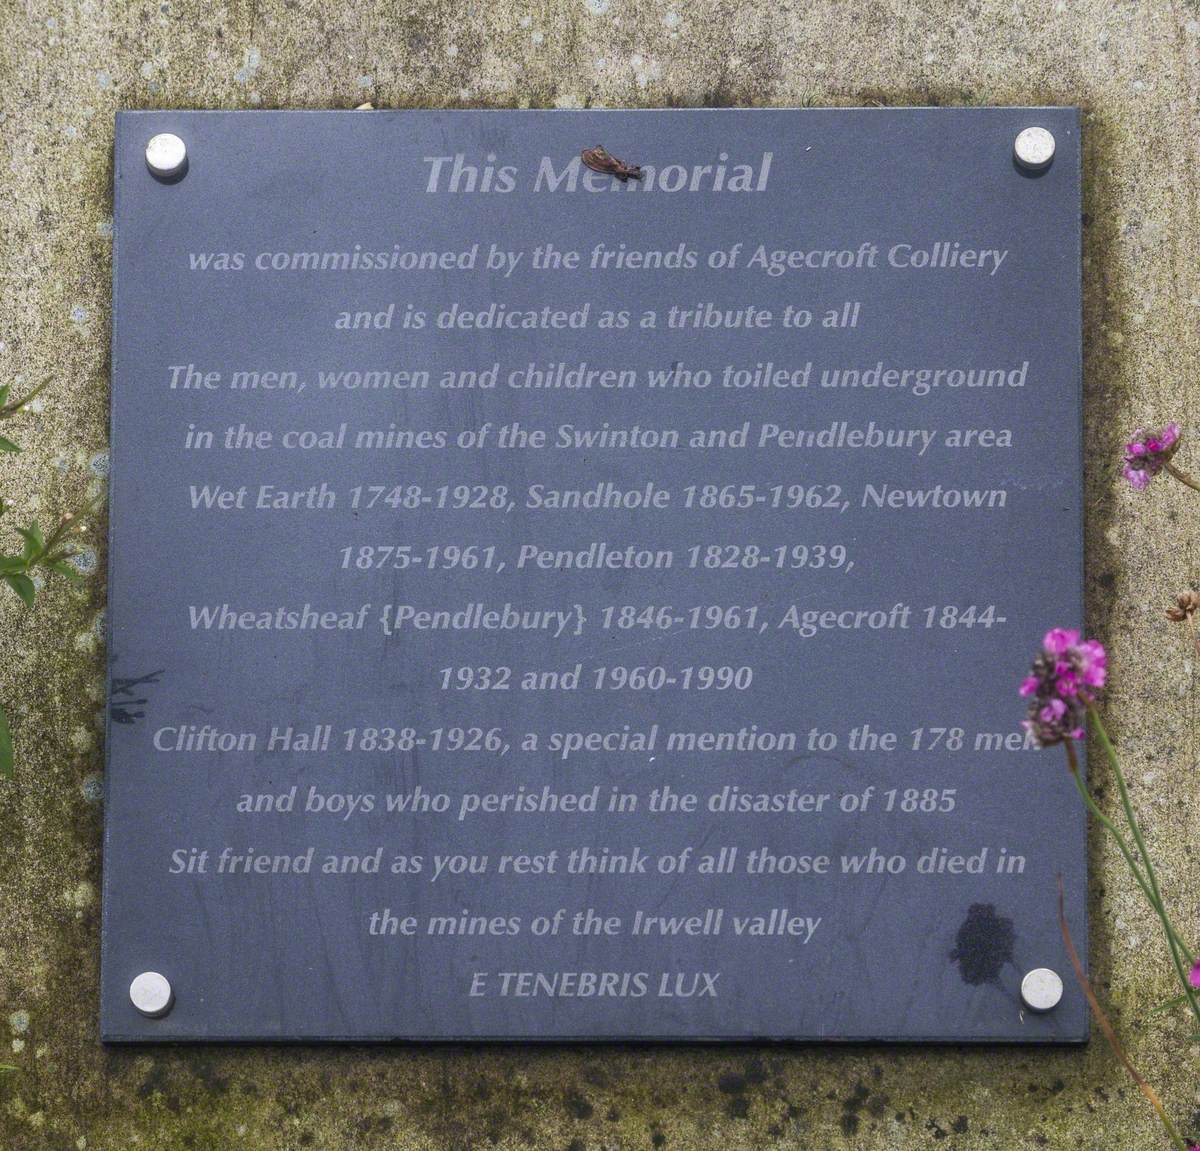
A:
[(1182, 477), (1108, 825), (7, 411), (1170, 1129), (1102, 1019), (1151, 877), (1115, 832)]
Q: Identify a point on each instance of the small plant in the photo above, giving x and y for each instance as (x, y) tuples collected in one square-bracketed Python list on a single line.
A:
[(1183, 610), (10, 408), (48, 552), (1061, 687), (1149, 453)]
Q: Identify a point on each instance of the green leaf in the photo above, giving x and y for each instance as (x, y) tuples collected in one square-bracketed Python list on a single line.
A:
[(7, 445), (62, 568), (30, 396), (35, 542), (1166, 1005), (33, 535), (11, 564), (6, 751), (4, 393), (22, 585)]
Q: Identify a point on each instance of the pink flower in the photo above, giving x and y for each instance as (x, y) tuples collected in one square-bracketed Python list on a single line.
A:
[(1194, 974), (1055, 687), (1148, 453), (1059, 639), (1094, 661), (1139, 479), (1053, 711), (1068, 683)]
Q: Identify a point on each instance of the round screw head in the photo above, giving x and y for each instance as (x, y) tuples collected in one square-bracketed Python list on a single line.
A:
[(1041, 989), (151, 994), (166, 156), (1034, 149)]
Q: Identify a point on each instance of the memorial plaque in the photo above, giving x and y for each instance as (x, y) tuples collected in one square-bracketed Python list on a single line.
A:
[(571, 574)]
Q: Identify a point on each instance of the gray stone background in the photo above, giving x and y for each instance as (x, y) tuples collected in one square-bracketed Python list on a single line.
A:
[(65, 68)]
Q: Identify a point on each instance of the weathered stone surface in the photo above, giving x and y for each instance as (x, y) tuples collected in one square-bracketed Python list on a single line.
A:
[(1134, 68)]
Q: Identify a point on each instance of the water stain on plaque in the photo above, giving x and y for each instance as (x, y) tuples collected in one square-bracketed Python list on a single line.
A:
[(983, 945)]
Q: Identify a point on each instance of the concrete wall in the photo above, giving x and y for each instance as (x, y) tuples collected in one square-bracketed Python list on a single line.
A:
[(64, 70)]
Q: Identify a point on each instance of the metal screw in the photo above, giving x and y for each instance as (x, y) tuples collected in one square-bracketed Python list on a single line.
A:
[(1034, 149), (166, 156), (1041, 989), (151, 994)]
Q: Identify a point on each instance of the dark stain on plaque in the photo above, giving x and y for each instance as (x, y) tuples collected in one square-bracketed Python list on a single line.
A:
[(983, 945), (123, 700)]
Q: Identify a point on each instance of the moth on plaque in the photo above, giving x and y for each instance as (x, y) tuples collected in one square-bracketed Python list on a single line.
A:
[(599, 160)]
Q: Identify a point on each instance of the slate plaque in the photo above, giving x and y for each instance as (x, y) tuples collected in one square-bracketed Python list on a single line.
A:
[(552, 606)]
